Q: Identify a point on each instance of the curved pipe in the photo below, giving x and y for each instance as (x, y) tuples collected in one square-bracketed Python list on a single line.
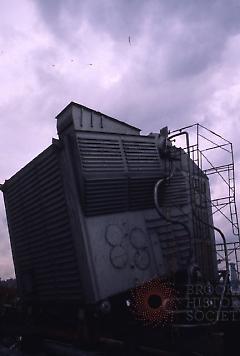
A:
[(187, 139), (159, 182), (224, 285), (227, 265), (173, 221), (186, 134)]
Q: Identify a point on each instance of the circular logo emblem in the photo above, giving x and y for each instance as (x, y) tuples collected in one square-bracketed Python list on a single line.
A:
[(153, 303)]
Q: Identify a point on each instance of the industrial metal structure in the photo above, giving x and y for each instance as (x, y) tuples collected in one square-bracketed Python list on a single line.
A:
[(213, 154), (82, 219), (107, 224)]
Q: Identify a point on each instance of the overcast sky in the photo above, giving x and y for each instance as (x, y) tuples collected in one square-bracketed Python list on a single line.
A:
[(180, 66)]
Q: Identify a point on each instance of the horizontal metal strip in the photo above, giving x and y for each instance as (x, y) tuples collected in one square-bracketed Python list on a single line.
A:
[(44, 257), (103, 166), (39, 175), (26, 201), (15, 201), (53, 201), (94, 189), (93, 140), (41, 240), (47, 265), (142, 186), (141, 153), (146, 168), (45, 176), (42, 229), (91, 193), (105, 182), (106, 198), (59, 228), (29, 210), (30, 199), (102, 142), (110, 202), (103, 189), (177, 189), (42, 278), (97, 150), (101, 158), (44, 264), (52, 210), (103, 169), (21, 223), (70, 268), (104, 210), (101, 161), (50, 171), (143, 163), (136, 199), (108, 205), (137, 153), (53, 181), (28, 229), (72, 276), (138, 143), (110, 147), (141, 203), (47, 162), (147, 178)]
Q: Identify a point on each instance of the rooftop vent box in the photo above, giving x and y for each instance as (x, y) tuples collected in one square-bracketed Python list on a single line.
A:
[(80, 118)]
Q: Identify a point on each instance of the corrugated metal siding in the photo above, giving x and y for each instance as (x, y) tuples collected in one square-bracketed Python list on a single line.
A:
[(141, 156), (105, 195), (203, 242), (141, 192), (41, 231), (119, 174), (112, 195), (175, 191), (173, 238), (100, 155)]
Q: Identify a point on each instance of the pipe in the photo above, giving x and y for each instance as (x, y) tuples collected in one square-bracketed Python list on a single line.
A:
[(187, 139), (173, 221), (159, 182)]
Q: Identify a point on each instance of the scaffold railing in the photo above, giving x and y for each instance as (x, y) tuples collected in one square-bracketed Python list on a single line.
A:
[(213, 154)]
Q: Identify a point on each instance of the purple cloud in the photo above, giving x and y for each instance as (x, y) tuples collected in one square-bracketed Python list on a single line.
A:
[(181, 67)]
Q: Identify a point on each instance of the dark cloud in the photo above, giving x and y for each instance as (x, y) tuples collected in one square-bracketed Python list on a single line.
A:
[(193, 33), (118, 19), (181, 42)]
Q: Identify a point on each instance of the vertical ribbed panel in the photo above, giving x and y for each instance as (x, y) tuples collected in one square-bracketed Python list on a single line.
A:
[(40, 230)]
